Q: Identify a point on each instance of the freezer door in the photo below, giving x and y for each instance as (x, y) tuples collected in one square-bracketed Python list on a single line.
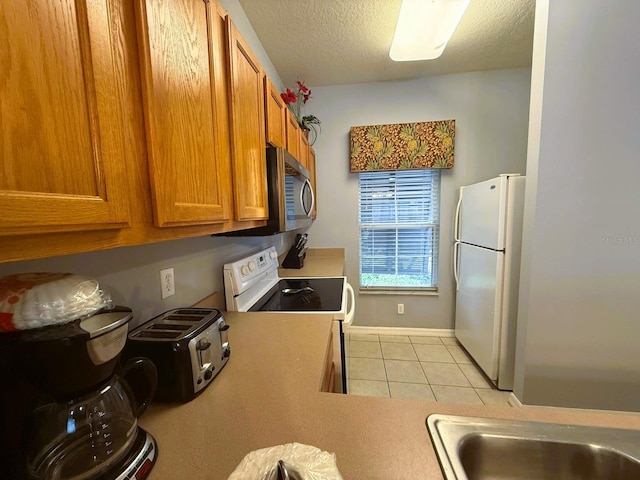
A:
[(479, 304), (482, 213)]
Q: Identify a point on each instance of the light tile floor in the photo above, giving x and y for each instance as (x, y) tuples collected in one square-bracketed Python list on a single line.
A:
[(436, 369)]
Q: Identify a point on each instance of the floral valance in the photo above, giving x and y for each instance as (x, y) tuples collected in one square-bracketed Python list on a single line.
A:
[(403, 146)]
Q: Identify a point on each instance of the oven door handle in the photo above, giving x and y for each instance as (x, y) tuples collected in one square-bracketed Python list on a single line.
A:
[(348, 318)]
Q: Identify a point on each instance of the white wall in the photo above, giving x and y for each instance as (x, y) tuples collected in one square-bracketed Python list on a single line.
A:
[(578, 325), (531, 190), (491, 113)]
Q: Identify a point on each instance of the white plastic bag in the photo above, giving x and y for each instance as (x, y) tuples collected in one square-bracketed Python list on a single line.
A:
[(311, 462), (34, 300)]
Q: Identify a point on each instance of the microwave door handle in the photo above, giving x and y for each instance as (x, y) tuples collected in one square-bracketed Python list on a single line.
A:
[(307, 184), (313, 198)]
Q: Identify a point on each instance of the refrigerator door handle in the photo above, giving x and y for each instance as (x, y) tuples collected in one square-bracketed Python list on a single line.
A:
[(456, 245), (456, 225)]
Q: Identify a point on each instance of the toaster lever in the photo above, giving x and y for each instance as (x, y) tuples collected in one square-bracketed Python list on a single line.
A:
[(202, 344), (224, 327)]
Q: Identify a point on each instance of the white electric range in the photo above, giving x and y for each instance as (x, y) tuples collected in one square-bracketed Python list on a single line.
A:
[(252, 284)]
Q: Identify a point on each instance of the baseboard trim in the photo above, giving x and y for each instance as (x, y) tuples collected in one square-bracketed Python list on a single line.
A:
[(424, 332), (513, 401)]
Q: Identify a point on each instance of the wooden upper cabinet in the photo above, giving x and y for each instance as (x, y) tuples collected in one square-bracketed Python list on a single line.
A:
[(61, 131), (183, 72), (249, 162), (312, 170), (293, 135), (275, 115), (303, 149)]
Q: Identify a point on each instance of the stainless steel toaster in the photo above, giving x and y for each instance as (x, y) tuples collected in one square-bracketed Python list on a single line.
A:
[(189, 347)]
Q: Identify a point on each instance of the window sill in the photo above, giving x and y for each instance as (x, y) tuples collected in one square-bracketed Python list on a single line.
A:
[(425, 293)]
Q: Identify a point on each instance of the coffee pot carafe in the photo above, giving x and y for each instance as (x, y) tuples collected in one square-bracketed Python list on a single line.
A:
[(91, 436), (66, 410)]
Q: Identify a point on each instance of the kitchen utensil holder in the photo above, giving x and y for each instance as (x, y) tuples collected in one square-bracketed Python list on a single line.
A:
[(294, 258)]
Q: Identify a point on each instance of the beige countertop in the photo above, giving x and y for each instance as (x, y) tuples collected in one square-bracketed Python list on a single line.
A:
[(319, 262), (268, 394)]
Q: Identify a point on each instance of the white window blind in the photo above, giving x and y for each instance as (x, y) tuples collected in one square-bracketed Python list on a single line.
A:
[(399, 214)]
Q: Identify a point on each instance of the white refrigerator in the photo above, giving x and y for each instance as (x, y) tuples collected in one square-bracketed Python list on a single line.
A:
[(488, 238)]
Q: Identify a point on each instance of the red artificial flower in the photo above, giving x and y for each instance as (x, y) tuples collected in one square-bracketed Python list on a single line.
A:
[(306, 96), (301, 87), (289, 97)]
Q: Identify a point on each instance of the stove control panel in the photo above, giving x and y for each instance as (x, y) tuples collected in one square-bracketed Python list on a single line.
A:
[(258, 263), (247, 271)]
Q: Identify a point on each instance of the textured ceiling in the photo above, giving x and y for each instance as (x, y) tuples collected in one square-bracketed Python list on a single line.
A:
[(332, 42)]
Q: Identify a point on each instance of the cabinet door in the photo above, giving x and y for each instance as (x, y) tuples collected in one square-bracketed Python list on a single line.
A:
[(247, 130), (189, 159), (303, 149), (275, 115), (312, 170), (61, 128), (293, 135)]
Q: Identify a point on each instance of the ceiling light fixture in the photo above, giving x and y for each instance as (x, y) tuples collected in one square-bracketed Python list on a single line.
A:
[(424, 27)]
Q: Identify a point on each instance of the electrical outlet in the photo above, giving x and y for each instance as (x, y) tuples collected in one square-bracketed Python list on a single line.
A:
[(401, 309), (167, 283)]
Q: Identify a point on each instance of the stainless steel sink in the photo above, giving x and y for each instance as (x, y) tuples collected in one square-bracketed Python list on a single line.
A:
[(486, 449)]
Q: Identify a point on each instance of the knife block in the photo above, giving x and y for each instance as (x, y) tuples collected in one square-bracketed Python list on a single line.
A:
[(294, 258)]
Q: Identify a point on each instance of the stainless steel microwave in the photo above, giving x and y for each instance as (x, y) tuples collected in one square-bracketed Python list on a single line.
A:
[(291, 196), (298, 197)]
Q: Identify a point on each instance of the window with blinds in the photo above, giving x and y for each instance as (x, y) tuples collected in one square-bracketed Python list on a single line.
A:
[(399, 215)]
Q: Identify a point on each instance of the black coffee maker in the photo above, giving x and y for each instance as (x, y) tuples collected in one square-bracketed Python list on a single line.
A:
[(68, 408)]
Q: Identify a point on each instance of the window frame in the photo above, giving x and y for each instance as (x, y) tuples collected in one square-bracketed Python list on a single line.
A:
[(409, 290)]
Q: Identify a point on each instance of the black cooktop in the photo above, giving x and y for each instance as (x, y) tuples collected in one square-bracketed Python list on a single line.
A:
[(325, 297)]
